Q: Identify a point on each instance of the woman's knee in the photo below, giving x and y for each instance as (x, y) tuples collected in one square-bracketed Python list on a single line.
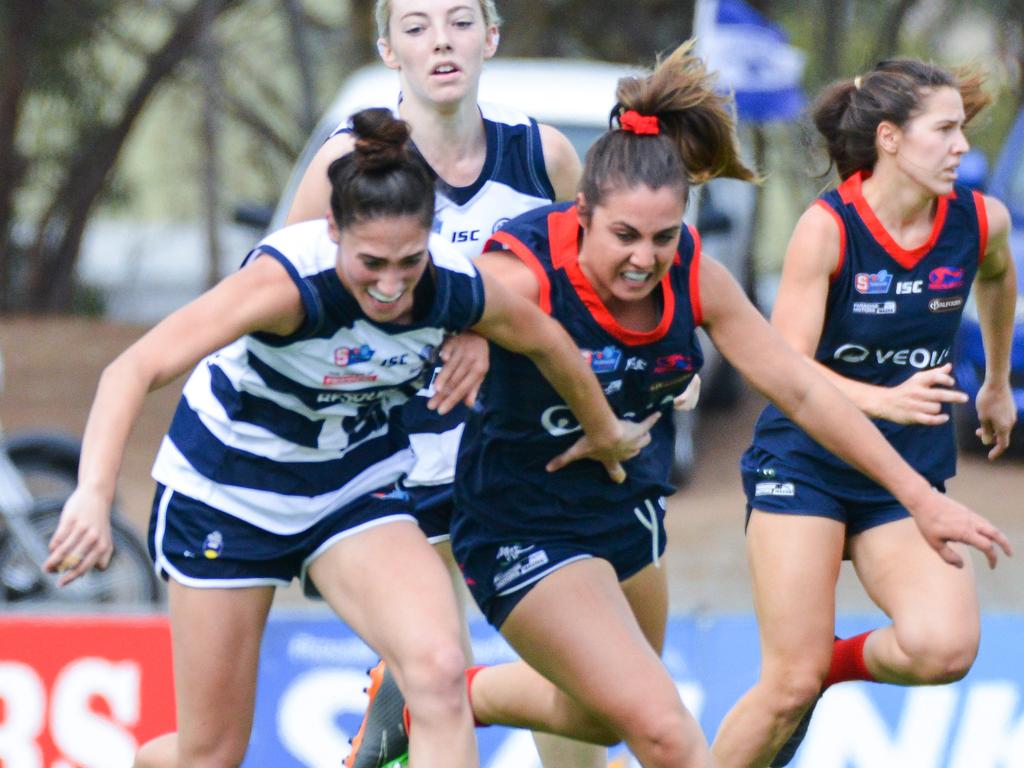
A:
[(433, 676), (792, 689), (665, 736), (937, 656)]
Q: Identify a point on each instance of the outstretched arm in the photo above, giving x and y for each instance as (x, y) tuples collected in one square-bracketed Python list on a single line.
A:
[(760, 353), (995, 292), (516, 323), (260, 296)]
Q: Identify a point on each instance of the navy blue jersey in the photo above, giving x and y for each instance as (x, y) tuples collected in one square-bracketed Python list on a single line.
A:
[(282, 430), (890, 313), (524, 423)]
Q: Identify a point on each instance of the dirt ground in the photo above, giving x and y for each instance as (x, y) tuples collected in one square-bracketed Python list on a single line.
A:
[(52, 367)]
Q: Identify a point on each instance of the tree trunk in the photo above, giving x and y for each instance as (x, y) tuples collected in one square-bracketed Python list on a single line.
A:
[(833, 35), (54, 253), (210, 54), (304, 63), (888, 36), (17, 39)]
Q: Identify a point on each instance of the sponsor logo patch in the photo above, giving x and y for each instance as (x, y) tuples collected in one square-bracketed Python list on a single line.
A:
[(669, 363), (874, 307), (602, 360), (879, 282), (534, 560), (213, 545), (349, 378), (353, 355), (918, 358), (945, 278), (774, 489), (945, 303)]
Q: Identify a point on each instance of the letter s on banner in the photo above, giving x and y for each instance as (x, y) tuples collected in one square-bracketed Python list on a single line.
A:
[(81, 734)]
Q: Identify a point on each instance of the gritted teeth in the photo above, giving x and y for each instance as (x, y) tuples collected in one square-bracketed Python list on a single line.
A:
[(383, 298), (635, 276)]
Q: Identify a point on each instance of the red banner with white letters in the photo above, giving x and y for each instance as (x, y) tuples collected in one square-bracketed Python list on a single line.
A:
[(82, 692)]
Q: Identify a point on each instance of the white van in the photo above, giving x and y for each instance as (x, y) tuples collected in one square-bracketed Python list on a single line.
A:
[(576, 97)]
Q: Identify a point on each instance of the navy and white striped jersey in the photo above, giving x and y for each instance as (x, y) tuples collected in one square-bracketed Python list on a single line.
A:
[(279, 431), (890, 313), (513, 180), (523, 422)]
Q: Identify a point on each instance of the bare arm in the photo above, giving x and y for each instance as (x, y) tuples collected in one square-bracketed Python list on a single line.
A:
[(995, 292), (561, 161), (516, 323), (313, 197), (260, 296), (811, 257), (785, 377)]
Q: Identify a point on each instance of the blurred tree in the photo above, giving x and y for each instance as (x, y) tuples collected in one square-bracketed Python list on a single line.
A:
[(624, 32), (54, 63)]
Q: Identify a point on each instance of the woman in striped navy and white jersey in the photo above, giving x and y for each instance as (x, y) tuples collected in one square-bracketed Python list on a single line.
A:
[(282, 457)]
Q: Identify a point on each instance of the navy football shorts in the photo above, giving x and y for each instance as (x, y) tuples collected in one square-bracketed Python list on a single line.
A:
[(432, 506), (786, 494), (501, 568), (200, 546)]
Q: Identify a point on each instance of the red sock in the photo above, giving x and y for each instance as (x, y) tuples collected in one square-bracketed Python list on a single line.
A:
[(848, 661), (470, 674)]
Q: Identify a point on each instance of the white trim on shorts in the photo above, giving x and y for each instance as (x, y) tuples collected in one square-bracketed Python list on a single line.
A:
[(162, 565), (537, 577)]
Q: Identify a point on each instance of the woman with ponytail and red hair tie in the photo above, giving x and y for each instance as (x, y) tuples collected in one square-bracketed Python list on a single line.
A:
[(566, 565), (875, 279)]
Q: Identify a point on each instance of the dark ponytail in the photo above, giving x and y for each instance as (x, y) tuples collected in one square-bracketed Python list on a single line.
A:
[(383, 175), (848, 112), (695, 139)]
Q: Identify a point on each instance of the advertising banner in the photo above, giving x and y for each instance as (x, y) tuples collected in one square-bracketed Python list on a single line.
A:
[(83, 692)]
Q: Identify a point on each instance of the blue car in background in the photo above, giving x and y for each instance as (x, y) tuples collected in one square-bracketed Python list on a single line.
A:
[(1007, 184)]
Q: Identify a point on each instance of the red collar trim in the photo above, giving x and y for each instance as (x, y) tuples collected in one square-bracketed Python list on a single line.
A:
[(851, 192), (564, 233)]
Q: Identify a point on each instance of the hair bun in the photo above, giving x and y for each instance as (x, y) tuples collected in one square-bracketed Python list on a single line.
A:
[(381, 140)]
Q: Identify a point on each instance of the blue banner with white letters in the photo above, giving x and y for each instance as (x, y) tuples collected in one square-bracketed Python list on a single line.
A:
[(310, 699)]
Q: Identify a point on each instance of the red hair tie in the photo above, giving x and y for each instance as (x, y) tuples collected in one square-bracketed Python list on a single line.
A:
[(642, 125)]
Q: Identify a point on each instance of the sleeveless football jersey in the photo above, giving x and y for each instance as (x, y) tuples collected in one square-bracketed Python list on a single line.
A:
[(513, 180), (890, 313), (524, 423), (279, 431)]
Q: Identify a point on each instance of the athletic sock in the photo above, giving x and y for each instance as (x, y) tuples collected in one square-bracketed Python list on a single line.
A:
[(470, 674), (848, 661)]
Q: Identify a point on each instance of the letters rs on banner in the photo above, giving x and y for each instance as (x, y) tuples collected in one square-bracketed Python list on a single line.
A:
[(82, 691)]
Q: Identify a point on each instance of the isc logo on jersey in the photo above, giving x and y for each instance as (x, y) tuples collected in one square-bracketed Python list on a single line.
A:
[(879, 282)]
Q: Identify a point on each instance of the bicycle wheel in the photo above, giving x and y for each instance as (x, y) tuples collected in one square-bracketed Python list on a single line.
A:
[(128, 580), (47, 462)]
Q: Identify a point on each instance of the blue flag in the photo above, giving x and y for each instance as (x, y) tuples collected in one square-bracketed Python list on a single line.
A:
[(753, 59)]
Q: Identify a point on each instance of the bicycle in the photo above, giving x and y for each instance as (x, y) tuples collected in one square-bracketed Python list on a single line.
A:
[(38, 471)]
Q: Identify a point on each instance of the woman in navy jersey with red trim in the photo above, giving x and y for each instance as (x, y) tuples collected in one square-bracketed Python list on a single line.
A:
[(875, 280), (566, 565)]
